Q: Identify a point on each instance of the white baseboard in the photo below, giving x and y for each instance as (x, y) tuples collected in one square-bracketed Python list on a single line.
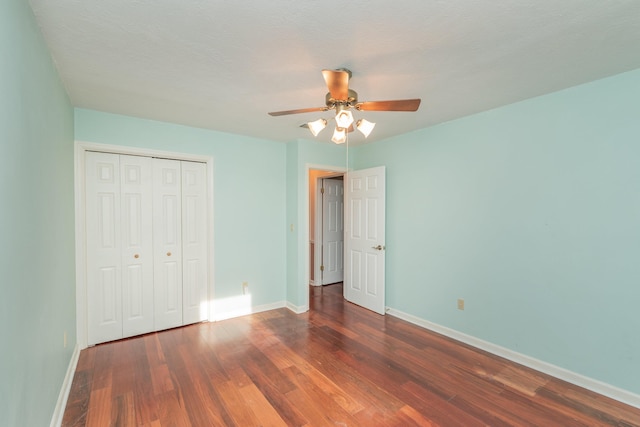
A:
[(58, 412), (298, 309), (599, 387)]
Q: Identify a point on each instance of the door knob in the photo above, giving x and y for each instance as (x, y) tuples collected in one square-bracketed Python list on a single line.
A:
[(136, 256), (168, 253), (378, 248)]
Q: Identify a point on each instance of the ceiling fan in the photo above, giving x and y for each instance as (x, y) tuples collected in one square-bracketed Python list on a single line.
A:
[(342, 99)]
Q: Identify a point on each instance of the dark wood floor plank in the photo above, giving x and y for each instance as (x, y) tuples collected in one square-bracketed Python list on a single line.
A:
[(100, 403), (486, 397), (171, 411), (416, 417), (240, 412), (589, 399), (591, 411), (537, 411), (275, 393), (267, 415), (434, 408), (338, 364), (353, 382), (317, 401), (86, 360), (123, 412), (125, 365), (103, 368), (144, 391), (197, 395), (314, 415)]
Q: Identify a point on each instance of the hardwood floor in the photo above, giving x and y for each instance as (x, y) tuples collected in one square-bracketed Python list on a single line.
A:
[(337, 365)]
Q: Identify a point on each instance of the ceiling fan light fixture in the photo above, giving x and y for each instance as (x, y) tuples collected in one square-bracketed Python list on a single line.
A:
[(342, 99), (344, 118), (365, 127), (339, 135), (317, 126)]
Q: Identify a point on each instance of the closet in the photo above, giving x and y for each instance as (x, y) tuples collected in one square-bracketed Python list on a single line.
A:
[(146, 251)]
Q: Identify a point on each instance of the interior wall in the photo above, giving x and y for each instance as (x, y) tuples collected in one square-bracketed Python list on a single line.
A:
[(531, 213), (249, 199), (37, 296)]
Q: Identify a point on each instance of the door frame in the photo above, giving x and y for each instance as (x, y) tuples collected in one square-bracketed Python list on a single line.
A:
[(80, 148), (336, 171), (319, 221)]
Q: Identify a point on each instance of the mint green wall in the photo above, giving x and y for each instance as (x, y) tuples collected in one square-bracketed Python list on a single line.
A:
[(301, 154), (37, 303), (249, 196), (293, 206), (531, 213)]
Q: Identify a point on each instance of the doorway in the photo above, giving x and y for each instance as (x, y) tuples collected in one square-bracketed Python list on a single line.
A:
[(326, 219), (364, 237)]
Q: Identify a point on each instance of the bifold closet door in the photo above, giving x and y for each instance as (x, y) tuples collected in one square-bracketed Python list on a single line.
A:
[(146, 225), (194, 242), (119, 255), (180, 232), (104, 270), (167, 241), (137, 245)]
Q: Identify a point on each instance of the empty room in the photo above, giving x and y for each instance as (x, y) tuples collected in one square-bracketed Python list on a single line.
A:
[(361, 213)]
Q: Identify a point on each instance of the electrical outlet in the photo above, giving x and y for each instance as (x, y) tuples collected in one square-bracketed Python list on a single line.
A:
[(460, 304), (245, 288)]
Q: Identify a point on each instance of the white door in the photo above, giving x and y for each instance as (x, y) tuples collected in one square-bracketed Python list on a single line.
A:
[(365, 238), (332, 231), (167, 242), (194, 244), (146, 244), (137, 248), (104, 270)]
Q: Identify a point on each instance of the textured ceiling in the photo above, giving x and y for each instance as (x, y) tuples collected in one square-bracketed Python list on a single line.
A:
[(223, 65)]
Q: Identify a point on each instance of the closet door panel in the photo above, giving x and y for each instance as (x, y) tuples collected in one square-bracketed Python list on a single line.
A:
[(104, 268), (137, 247), (167, 241), (194, 242)]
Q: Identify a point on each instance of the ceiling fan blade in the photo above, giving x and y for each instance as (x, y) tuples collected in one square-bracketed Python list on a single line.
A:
[(301, 110), (337, 83), (395, 105)]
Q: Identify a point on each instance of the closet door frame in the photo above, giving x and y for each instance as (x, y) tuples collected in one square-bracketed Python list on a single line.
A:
[(80, 222)]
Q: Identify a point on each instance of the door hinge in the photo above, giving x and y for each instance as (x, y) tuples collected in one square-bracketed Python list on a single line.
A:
[(322, 190), (322, 268)]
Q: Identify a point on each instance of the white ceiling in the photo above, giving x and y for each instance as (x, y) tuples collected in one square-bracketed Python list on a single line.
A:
[(223, 65)]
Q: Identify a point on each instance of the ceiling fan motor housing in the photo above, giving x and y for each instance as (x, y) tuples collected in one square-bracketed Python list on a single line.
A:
[(351, 100)]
